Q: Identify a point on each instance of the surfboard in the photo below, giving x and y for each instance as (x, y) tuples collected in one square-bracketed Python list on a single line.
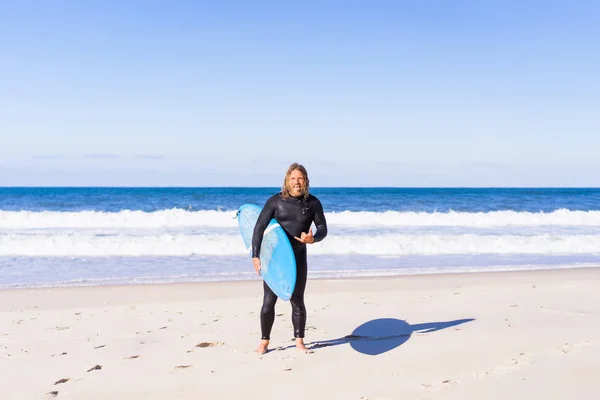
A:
[(277, 261)]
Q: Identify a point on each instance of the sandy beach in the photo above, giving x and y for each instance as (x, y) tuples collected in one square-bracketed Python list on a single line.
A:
[(518, 335)]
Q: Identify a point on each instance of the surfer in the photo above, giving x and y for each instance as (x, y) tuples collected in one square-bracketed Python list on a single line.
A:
[(295, 209)]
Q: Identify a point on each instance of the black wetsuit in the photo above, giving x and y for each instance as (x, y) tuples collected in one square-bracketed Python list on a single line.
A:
[(295, 215)]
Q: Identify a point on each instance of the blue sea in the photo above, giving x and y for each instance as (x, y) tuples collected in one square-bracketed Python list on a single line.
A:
[(96, 236)]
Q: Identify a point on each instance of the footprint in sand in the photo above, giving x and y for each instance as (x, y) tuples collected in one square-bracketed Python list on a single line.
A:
[(95, 367), (209, 344), (570, 348), (445, 384), (510, 365), (571, 313), (449, 382)]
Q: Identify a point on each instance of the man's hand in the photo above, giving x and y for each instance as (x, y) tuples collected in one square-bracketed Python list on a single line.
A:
[(306, 237), (256, 262)]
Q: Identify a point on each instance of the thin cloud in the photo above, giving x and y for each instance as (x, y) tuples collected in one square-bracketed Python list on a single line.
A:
[(48, 157), (103, 156), (150, 156)]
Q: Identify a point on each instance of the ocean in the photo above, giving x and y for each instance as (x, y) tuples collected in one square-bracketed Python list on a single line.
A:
[(96, 236)]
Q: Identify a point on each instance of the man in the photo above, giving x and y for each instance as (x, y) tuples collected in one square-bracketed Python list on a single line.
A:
[(295, 209)]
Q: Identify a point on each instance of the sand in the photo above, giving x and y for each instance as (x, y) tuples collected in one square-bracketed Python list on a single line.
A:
[(517, 335)]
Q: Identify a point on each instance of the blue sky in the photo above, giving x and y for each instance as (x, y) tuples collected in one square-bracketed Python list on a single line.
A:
[(377, 93)]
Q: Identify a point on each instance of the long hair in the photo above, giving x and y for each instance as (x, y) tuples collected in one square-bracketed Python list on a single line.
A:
[(285, 191)]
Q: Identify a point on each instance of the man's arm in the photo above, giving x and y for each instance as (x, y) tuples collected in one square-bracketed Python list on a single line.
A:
[(320, 222)]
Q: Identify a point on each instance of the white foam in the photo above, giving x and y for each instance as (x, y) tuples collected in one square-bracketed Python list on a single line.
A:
[(115, 220), (231, 245), (178, 218), (466, 219)]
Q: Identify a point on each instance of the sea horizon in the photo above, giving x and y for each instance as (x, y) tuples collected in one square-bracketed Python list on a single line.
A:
[(277, 187)]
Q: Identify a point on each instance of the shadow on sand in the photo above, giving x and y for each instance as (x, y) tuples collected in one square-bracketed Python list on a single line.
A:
[(381, 335)]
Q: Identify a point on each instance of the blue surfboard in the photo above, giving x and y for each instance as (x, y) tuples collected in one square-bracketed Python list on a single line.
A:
[(277, 261)]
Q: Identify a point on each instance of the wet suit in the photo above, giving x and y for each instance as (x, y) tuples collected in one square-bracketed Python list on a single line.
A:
[(295, 215)]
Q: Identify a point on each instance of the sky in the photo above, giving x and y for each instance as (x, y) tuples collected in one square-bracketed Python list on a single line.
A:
[(363, 93)]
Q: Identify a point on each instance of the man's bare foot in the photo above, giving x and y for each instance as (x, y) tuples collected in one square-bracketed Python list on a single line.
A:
[(300, 345), (262, 347)]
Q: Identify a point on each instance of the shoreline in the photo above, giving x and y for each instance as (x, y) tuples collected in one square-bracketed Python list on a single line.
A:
[(317, 275), (237, 289)]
